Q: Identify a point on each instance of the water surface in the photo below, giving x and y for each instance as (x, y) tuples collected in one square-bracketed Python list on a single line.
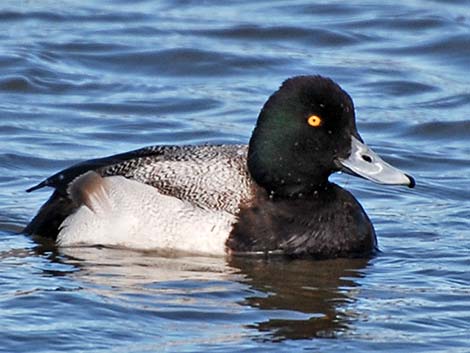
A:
[(86, 79)]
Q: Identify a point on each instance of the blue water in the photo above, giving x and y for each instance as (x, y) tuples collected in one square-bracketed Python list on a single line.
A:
[(83, 79)]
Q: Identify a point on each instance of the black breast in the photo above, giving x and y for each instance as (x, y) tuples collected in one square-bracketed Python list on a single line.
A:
[(328, 224)]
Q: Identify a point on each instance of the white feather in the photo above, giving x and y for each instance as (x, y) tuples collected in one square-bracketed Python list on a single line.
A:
[(126, 213)]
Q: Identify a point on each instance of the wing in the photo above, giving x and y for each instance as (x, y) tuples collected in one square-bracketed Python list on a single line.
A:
[(212, 177), (62, 179)]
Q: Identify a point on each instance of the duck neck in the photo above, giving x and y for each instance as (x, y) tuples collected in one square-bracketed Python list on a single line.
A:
[(298, 191)]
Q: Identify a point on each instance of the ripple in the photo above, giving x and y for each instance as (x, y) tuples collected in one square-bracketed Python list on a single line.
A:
[(451, 48), (180, 62), (31, 15), (80, 46), (401, 87), (442, 130), (88, 15), (328, 10), (452, 101), (405, 24), (16, 84), (317, 36), (154, 107), (16, 161)]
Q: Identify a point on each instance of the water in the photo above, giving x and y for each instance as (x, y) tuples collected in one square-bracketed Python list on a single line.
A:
[(82, 79)]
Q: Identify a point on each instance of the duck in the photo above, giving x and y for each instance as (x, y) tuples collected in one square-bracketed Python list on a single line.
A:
[(270, 197)]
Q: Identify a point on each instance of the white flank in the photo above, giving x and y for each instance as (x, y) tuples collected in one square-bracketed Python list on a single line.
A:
[(126, 213)]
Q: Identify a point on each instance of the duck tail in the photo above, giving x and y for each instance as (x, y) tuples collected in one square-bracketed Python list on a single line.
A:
[(88, 189), (48, 220)]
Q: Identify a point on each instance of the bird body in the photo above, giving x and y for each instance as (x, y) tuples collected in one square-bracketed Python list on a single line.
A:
[(270, 196)]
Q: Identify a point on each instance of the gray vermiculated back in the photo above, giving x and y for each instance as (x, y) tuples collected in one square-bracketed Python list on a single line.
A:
[(213, 177)]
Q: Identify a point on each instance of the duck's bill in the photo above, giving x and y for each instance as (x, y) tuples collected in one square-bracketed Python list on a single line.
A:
[(365, 163)]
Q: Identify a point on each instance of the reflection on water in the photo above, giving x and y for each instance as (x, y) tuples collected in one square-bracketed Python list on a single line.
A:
[(321, 290), (299, 299), (126, 269)]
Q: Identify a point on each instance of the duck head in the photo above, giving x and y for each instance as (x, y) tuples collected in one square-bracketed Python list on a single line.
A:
[(305, 132)]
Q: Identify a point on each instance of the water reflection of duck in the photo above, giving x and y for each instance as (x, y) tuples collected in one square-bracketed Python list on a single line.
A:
[(297, 299), (314, 295), (271, 196)]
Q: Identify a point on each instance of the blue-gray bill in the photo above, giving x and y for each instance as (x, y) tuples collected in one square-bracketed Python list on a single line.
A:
[(365, 163)]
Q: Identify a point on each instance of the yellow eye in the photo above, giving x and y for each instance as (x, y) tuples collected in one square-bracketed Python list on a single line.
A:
[(314, 120)]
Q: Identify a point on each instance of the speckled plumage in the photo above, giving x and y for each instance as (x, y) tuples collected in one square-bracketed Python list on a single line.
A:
[(212, 177)]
